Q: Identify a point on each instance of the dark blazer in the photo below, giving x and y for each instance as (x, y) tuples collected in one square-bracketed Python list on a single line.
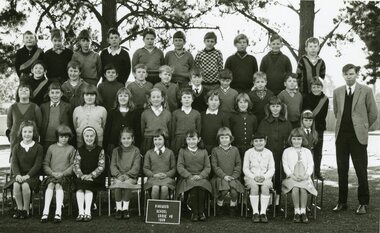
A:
[(363, 112), (65, 116)]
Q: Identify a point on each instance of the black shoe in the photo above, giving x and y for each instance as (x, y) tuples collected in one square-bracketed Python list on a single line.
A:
[(279, 209), (16, 214), (232, 210), (87, 218), (202, 217), (320, 177), (119, 214), (297, 218), (256, 218), (24, 214), (194, 217), (57, 218), (80, 218), (340, 207), (304, 218), (44, 218), (263, 218), (126, 214), (362, 209)]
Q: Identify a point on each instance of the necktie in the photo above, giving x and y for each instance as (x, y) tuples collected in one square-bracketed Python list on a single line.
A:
[(308, 132), (349, 91), (196, 91), (159, 152)]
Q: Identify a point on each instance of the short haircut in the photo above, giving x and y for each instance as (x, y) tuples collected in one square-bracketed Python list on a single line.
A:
[(109, 66), (127, 130), (196, 71), (311, 40), (28, 33), (275, 37), (165, 68), (243, 96), (348, 67), (297, 132), (290, 75), (56, 33), (224, 131), (73, 64), (90, 89), (225, 74), (240, 37), (112, 31), (63, 130), (179, 35), (55, 85), (26, 124), (316, 81), (210, 35), (84, 34), (149, 31), (124, 90), (159, 133), (38, 62), (259, 74), (211, 94), (186, 91), (140, 66), (193, 133), (24, 85)]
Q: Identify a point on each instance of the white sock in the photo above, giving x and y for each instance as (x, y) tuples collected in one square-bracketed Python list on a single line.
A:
[(233, 203), (264, 203), (254, 203), (88, 199), (48, 197), (296, 211), (80, 202), (125, 205), (59, 201), (277, 199), (219, 203), (303, 210), (118, 205)]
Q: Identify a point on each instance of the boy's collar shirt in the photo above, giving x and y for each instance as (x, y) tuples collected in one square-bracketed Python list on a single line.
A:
[(157, 111), (186, 110), (114, 52), (242, 54), (159, 151), (212, 112), (54, 104), (196, 89), (225, 90)]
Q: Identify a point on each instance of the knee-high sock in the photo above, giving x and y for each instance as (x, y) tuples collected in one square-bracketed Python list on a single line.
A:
[(125, 205), (48, 197), (88, 200), (254, 203), (59, 201), (80, 201), (264, 200)]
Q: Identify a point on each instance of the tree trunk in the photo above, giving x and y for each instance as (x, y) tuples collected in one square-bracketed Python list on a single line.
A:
[(109, 19), (306, 24)]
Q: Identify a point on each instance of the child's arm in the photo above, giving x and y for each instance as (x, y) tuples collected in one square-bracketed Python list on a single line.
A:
[(214, 162), (46, 163), (76, 167), (237, 169), (173, 128), (198, 122), (181, 165), (310, 162), (10, 118), (168, 124), (113, 166), (98, 66), (15, 162), (135, 169), (172, 171), (322, 71), (38, 114), (220, 61), (75, 117), (207, 166), (147, 165), (287, 170), (263, 64), (335, 104), (247, 172), (101, 164), (136, 58), (288, 65), (103, 117), (270, 168), (143, 123), (69, 170), (37, 162)]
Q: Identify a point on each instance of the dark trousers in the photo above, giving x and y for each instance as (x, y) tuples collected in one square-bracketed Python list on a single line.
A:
[(317, 155), (197, 198), (347, 144)]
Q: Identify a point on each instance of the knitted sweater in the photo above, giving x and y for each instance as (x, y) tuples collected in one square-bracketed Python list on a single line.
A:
[(153, 60), (190, 163), (26, 162), (171, 91), (121, 61), (73, 94), (242, 66), (182, 122), (310, 101), (243, 126), (227, 99), (59, 159), (293, 105), (211, 62), (226, 162), (56, 64), (258, 104), (182, 64), (125, 161), (91, 66), (23, 55), (307, 70), (154, 163), (139, 93), (150, 122), (107, 91), (210, 125)]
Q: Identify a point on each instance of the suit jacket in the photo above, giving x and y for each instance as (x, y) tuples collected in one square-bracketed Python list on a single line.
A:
[(363, 112), (65, 116)]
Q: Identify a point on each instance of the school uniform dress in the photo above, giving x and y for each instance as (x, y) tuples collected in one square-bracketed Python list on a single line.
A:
[(182, 63), (120, 59), (25, 59), (153, 59), (226, 163), (293, 106), (182, 122), (91, 66), (171, 91), (300, 164), (243, 126), (58, 159), (258, 163), (259, 101), (160, 161), (107, 90), (56, 64), (89, 162), (306, 70), (211, 123), (193, 163), (125, 161), (27, 160)]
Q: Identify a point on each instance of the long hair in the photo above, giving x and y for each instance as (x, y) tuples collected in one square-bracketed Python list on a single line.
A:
[(308, 114), (22, 85), (26, 124), (124, 90), (274, 100), (245, 97), (90, 89), (148, 104), (297, 132)]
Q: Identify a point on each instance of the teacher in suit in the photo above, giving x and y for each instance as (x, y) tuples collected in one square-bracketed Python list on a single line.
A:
[(355, 111)]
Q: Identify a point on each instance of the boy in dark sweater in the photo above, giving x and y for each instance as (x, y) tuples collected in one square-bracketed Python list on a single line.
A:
[(242, 65), (275, 65), (109, 87), (310, 65), (318, 103), (180, 60), (226, 93), (199, 91), (140, 87), (57, 58), (27, 55), (116, 55), (38, 83), (170, 89)]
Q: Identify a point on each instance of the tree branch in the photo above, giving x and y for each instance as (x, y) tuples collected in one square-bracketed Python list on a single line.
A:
[(91, 7), (45, 11), (330, 34)]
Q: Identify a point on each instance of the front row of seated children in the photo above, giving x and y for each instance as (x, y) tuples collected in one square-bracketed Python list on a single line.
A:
[(160, 166)]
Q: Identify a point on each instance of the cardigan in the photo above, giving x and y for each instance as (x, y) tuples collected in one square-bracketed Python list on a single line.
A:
[(153, 60), (150, 122), (211, 63), (59, 159), (258, 104), (226, 162), (65, 116), (190, 163), (91, 66), (290, 158), (293, 105), (56, 64), (243, 126), (182, 64), (258, 163), (26, 162), (210, 126), (125, 161), (182, 122), (107, 91), (154, 163), (139, 93), (171, 91), (242, 67), (121, 61)]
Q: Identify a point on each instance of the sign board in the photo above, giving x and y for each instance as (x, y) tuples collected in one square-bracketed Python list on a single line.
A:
[(163, 211)]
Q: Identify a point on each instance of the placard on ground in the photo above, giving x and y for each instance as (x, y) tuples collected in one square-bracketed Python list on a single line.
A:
[(163, 212)]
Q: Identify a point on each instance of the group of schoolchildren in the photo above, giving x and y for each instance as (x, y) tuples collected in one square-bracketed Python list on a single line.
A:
[(189, 125)]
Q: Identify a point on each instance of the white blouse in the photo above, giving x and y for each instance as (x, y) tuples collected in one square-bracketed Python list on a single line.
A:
[(290, 158), (258, 163)]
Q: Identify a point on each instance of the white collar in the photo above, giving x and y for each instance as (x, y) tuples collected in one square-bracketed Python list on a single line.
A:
[(157, 111), (224, 89), (162, 149), (307, 130), (215, 112), (27, 146), (56, 104), (186, 110), (192, 150), (199, 88), (114, 52), (352, 88)]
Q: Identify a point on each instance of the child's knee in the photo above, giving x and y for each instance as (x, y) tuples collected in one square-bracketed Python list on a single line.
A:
[(254, 190), (264, 190), (164, 189), (50, 186), (25, 187), (58, 186)]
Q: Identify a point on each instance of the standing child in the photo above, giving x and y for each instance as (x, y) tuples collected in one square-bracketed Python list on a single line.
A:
[(180, 60), (193, 166), (212, 120), (277, 129), (54, 113), (210, 60), (293, 100), (183, 120), (27, 55), (116, 55), (21, 111), (259, 95), (109, 87), (159, 167), (26, 163), (258, 168), (89, 163), (242, 65), (226, 165), (149, 55), (298, 167), (276, 65), (310, 65), (170, 89), (73, 87), (199, 91), (125, 168), (155, 117), (226, 93), (38, 83), (318, 102), (58, 166), (140, 88), (243, 123), (89, 113), (57, 58), (90, 63)]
